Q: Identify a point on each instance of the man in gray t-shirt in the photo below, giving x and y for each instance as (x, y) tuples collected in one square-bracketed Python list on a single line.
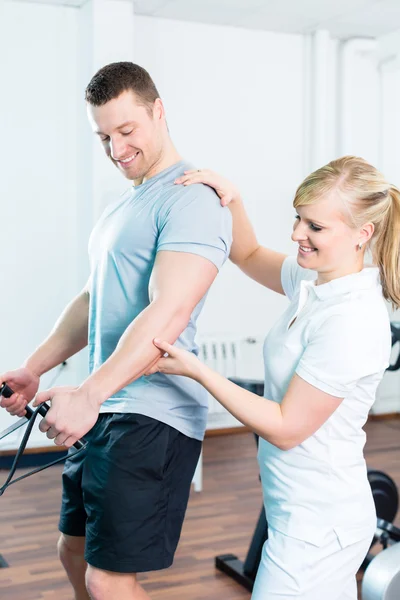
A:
[(154, 254), (154, 217)]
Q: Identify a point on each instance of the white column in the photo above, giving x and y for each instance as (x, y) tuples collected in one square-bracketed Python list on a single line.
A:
[(389, 148), (320, 101), (358, 123)]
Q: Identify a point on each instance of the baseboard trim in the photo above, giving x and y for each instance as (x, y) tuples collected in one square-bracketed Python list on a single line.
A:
[(41, 455), (32, 457), (385, 416), (226, 431), (38, 450)]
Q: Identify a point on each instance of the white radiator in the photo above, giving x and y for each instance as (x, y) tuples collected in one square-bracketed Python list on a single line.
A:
[(231, 357)]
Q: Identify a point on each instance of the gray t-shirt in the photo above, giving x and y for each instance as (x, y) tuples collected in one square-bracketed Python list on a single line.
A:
[(156, 215)]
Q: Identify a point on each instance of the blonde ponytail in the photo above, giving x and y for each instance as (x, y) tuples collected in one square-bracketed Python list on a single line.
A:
[(385, 248)]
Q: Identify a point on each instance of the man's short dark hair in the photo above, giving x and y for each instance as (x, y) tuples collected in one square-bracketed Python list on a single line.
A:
[(113, 79)]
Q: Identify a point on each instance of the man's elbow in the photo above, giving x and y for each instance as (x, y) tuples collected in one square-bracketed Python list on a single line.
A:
[(181, 318), (181, 310), (176, 314)]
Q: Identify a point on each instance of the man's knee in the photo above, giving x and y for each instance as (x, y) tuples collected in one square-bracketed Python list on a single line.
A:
[(100, 584), (70, 548)]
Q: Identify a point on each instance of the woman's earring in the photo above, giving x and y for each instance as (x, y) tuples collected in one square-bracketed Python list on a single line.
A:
[(360, 246)]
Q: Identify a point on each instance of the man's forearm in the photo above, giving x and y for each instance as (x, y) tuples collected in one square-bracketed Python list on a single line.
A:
[(135, 351), (69, 335)]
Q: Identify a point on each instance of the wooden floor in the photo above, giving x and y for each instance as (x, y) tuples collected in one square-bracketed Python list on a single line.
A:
[(219, 520)]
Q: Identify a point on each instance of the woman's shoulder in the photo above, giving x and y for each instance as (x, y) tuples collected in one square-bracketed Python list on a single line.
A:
[(365, 306), (360, 325)]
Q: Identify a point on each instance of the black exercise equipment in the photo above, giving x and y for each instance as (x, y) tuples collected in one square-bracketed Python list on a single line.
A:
[(395, 329), (385, 493)]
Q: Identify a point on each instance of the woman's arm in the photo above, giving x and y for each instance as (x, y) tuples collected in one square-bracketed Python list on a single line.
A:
[(302, 412), (259, 263)]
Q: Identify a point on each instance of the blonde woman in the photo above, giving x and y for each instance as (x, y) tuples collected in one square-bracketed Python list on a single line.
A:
[(324, 359)]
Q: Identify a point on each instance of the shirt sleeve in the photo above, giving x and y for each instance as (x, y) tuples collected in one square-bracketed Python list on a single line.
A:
[(341, 352), (292, 275), (195, 222)]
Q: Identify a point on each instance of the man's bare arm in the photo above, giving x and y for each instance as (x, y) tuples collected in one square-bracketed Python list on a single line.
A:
[(178, 283), (68, 336)]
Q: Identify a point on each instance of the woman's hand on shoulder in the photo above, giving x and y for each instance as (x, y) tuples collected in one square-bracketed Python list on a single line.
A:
[(225, 189)]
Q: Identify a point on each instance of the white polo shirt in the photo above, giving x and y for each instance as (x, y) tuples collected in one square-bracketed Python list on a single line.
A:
[(340, 342)]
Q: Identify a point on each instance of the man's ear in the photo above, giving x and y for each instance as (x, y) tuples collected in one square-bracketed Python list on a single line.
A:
[(158, 110)]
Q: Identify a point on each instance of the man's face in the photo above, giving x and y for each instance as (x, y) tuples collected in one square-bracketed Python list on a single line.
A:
[(130, 133)]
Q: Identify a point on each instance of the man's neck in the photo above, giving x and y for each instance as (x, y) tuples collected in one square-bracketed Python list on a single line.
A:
[(167, 159)]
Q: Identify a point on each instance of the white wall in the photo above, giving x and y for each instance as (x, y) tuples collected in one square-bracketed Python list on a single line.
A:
[(388, 62), (38, 61), (234, 101)]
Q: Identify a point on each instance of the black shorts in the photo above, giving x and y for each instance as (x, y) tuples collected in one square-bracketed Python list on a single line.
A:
[(127, 492)]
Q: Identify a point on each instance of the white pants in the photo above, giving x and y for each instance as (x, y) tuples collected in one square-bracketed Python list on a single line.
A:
[(292, 568)]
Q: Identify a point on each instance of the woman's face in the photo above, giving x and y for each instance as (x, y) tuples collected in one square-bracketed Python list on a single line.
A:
[(327, 244)]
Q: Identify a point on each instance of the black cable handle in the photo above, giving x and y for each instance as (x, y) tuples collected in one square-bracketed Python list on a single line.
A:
[(31, 416), (43, 409)]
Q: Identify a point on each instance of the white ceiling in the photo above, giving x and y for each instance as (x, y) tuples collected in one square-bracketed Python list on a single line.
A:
[(343, 18)]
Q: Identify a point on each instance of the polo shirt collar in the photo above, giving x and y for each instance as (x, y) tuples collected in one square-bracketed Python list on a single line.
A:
[(363, 280)]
